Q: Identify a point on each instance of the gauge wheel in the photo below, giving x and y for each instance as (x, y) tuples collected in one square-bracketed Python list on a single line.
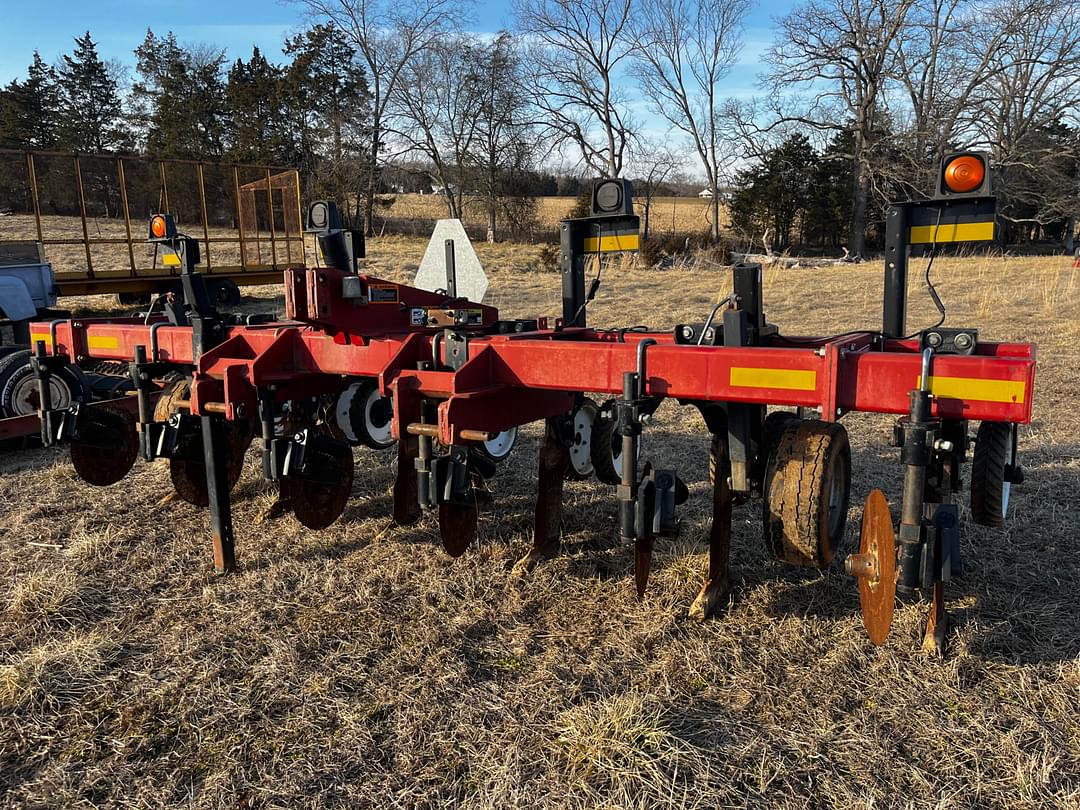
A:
[(19, 388), (606, 451), (991, 465), (582, 423), (499, 447), (806, 493)]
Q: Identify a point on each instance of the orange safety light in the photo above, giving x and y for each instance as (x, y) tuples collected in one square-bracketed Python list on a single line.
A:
[(162, 227), (964, 174)]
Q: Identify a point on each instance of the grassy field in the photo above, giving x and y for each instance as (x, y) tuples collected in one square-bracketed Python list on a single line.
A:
[(678, 214), (361, 667)]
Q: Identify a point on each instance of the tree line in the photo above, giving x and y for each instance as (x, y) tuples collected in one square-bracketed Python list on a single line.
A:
[(859, 101)]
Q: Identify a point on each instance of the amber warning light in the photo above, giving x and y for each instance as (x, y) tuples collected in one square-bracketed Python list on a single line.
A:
[(162, 227), (965, 174)]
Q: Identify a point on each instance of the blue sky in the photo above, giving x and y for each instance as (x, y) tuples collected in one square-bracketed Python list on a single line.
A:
[(118, 26)]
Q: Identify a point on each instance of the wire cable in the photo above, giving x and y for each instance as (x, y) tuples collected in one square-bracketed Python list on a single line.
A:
[(595, 286), (930, 288)]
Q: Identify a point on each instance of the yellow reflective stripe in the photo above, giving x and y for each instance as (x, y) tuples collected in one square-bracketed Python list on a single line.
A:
[(787, 378), (611, 244), (93, 342), (955, 232), (170, 259), (978, 388)]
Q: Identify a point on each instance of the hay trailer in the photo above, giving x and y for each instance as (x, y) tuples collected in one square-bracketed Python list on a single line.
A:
[(66, 229), (81, 208), (363, 361)]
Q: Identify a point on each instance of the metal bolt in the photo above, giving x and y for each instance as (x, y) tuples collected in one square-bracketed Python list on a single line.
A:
[(962, 341), (933, 339), (77, 324), (687, 332), (943, 445)]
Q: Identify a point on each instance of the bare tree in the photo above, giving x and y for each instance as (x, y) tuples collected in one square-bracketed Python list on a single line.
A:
[(504, 145), (842, 53), (436, 112), (1029, 112), (578, 48), (387, 34), (685, 48), (652, 163), (945, 59)]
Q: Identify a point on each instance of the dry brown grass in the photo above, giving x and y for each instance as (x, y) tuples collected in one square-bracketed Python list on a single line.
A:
[(678, 214), (361, 667)]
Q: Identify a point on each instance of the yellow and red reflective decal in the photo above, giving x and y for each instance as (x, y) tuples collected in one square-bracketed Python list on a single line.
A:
[(977, 388), (611, 244), (788, 379), (952, 232)]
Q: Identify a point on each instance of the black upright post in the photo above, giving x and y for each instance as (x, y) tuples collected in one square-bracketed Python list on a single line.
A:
[(894, 307), (572, 260), (207, 332), (217, 490)]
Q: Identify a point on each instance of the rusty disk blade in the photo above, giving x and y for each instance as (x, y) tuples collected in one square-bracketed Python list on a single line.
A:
[(317, 504), (189, 474), (457, 526), (102, 466), (877, 587)]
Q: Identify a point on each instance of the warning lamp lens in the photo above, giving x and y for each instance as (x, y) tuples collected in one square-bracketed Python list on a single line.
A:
[(157, 227), (608, 197), (964, 174)]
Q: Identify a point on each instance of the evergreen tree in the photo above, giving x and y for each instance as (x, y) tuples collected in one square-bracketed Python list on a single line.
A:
[(29, 109), (252, 94), (324, 96), (179, 100), (91, 109), (773, 196), (830, 204)]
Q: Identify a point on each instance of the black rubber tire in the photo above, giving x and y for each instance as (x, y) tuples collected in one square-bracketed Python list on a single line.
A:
[(15, 374), (10, 349), (771, 431), (602, 447), (380, 410), (993, 453), (806, 493)]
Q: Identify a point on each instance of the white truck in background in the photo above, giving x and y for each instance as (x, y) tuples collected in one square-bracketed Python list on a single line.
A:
[(28, 289)]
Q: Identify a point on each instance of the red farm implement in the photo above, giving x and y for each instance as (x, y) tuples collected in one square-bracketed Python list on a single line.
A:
[(362, 361)]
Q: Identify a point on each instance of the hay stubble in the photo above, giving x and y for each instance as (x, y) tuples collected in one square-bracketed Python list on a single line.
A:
[(359, 666)]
